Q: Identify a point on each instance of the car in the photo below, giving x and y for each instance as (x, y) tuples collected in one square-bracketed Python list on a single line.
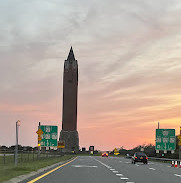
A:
[(139, 157), (105, 154)]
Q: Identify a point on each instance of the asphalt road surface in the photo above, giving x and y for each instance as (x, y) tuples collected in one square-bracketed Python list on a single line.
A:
[(86, 169)]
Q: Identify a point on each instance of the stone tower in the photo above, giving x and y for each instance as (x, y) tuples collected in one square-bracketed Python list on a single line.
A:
[(69, 115)]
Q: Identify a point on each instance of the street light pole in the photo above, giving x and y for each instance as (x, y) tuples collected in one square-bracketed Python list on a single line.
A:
[(16, 147)]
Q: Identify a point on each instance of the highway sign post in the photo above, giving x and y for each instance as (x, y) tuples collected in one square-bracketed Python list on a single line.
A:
[(48, 135), (61, 144), (142, 149), (179, 140), (116, 152), (39, 132), (91, 149), (179, 143), (165, 140)]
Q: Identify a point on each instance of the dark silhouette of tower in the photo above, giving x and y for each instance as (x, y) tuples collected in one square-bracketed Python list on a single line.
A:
[(69, 118)]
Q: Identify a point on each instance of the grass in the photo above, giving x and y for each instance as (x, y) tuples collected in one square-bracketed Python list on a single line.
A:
[(8, 171)]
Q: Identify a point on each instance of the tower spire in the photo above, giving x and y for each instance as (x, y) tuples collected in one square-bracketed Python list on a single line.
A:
[(71, 55)]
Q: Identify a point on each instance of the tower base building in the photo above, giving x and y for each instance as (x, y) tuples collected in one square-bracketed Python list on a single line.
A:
[(71, 139)]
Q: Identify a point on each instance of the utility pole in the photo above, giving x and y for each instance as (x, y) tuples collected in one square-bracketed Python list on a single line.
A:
[(16, 147)]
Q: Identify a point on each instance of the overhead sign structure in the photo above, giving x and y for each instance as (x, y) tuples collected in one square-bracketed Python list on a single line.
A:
[(165, 140), (49, 136)]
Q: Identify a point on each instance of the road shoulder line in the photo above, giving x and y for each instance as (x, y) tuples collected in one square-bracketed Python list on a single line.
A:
[(47, 173)]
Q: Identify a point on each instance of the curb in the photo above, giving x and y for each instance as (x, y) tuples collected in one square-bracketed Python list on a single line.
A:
[(26, 176)]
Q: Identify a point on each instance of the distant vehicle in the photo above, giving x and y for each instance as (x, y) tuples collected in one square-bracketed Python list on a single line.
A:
[(128, 156), (139, 157), (105, 154)]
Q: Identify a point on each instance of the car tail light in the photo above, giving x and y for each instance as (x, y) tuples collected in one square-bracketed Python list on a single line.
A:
[(146, 157), (135, 157)]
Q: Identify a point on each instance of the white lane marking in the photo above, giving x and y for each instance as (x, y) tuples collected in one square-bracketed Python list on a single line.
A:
[(152, 169), (126, 162), (120, 161), (84, 166), (115, 171), (124, 178), (102, 163), (177, 175), (119, 175), (151, 163), (137, 165), (107, 166)]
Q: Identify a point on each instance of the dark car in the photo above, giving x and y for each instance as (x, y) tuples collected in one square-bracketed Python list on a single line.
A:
[(139, 157)]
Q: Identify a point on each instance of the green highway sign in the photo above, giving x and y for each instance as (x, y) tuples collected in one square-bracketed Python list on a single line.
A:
[(49, 136), (165, 139)]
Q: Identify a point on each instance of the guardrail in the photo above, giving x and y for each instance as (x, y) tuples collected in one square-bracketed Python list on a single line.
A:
[(164, 159)]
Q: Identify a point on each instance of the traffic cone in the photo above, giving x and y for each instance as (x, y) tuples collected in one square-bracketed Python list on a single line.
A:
[(172, 163), (180, 165), (176, 164)]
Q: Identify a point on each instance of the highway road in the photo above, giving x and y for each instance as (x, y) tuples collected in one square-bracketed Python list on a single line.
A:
[(92, 169)]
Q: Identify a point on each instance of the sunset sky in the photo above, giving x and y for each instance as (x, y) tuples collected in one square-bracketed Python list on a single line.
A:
[(129, 57)]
